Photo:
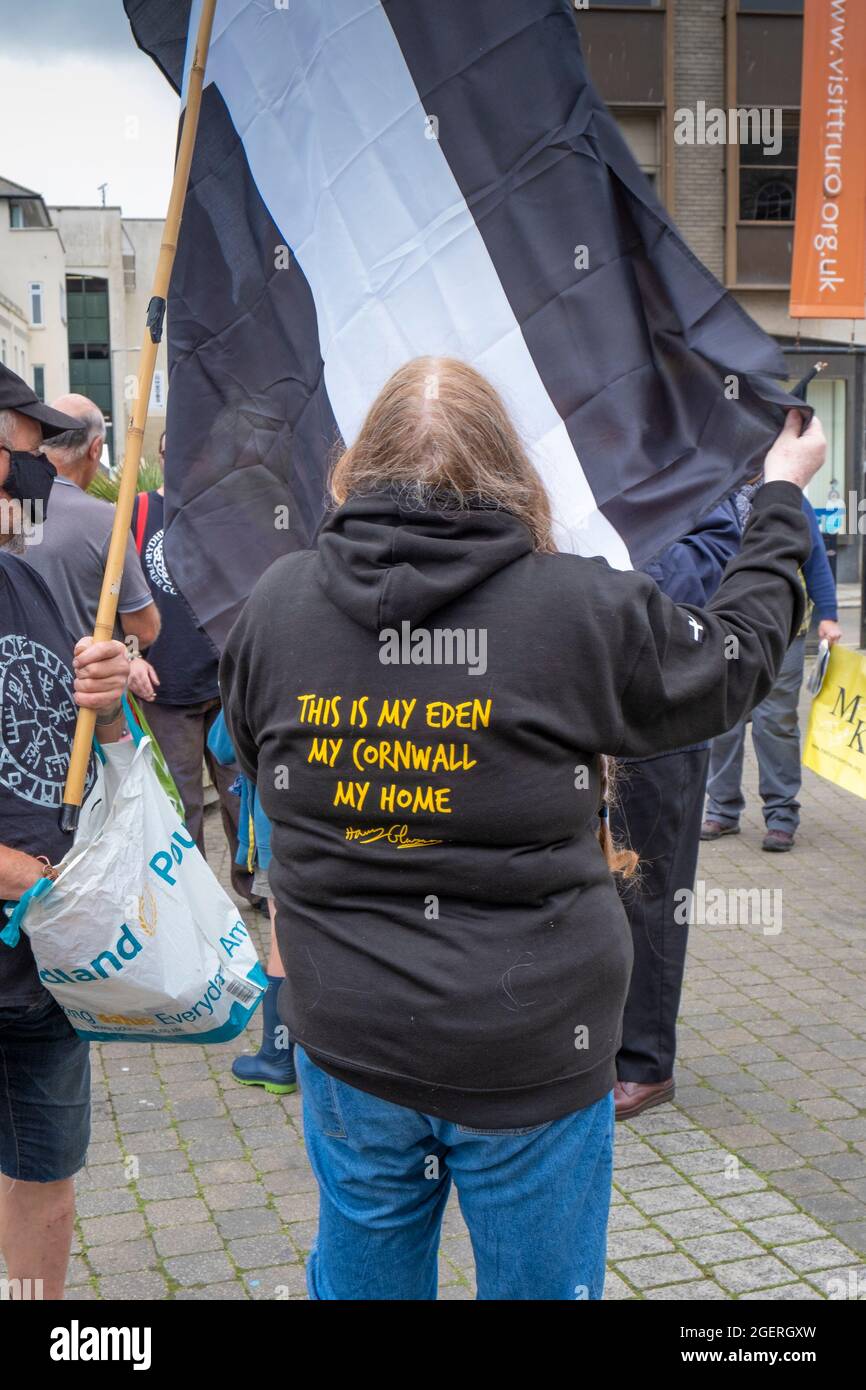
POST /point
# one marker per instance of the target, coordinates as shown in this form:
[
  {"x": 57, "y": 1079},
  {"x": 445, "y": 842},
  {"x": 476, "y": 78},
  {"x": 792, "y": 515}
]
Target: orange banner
[{"x": 828, "y": 278}]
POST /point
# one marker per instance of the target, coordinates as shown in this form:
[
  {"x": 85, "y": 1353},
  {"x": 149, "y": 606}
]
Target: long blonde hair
[
  {"x": 439, "y": 432},
  {"x": 620, "y": 859},
  {"x": 438, "y": 429}
]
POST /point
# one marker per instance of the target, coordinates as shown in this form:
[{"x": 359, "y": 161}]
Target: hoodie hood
[{"x": 384, "y": 563}]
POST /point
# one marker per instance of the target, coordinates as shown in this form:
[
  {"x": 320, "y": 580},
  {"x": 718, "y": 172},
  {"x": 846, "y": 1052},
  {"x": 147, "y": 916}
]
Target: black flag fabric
[{"x": 379, "y": 179}]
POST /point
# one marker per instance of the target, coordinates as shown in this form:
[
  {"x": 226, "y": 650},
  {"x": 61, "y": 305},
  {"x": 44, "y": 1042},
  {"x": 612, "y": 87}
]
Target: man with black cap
[{"x": 44, "y": 675}]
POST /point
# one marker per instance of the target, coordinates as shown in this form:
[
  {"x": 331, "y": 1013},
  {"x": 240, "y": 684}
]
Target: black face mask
[{"x": 30, "y": 478}]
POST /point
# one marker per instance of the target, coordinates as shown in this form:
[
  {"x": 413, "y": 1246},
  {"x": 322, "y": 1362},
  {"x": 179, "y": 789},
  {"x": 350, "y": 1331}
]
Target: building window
[
  {"x": 773, "y": 6},
  {"x": 828, "y": 396},
  {"x": 39, "y": 382},
  {"x": 62, "y": 302},
  {"x": 768, "y": 169},
  {"x": 3, "y": 351},
  {"x": 762, "y": 84},
  {"x": 89, "y": 340},
  {"x": 642, "y": 133},
  {"x": 28, "y": 212},
  {"x": 35, "y": 290},
  {"x": 771, "y": 200},
  {"x": 628, "y": 49}
]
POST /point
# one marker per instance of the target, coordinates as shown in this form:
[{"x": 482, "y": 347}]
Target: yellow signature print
[{"x": 395, "y": 834}]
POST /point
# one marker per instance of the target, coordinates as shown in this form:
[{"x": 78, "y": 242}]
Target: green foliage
[{"x": 149, "y": 479}]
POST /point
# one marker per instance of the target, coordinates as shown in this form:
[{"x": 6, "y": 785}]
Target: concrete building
[
  {"x": 110, "y": 261},
  {"x": 33, "y": 339},
  {"x": 734, "y": 204},
  {"x": 74, "y": 288}
]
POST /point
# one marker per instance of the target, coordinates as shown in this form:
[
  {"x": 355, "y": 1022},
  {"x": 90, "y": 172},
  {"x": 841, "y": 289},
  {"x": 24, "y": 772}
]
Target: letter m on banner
[{"x": 835, "y": 744}]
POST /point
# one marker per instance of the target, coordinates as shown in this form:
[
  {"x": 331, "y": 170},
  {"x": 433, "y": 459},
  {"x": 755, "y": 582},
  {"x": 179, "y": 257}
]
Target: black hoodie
[{"x": 452, "y": 936}]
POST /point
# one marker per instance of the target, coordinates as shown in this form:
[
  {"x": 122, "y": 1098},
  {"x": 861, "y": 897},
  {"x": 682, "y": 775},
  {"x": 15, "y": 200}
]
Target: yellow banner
[{"x": 835, "y": 745}]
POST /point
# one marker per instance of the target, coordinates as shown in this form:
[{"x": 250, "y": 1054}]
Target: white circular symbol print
[
  {"x": 156, "y": 566},
  {"x": 37, "y": 721}
]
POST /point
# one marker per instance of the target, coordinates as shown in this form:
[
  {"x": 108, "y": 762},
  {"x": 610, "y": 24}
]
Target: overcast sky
[{"x": 82, "y": 105}]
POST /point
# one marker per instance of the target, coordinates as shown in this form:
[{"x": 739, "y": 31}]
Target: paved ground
[{"x": 753, "y": 1185}]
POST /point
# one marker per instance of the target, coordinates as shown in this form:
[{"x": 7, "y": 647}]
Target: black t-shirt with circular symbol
[
  {"x": 37, "y": 723},
  {"x": 183, "y": 656}
]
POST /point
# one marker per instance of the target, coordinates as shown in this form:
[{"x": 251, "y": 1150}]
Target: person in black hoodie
[{"x": 425, "y": 703}]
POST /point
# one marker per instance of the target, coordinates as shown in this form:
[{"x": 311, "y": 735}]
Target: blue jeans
[
  {"x": 776, "y": 739},
  {"x": 535, "y": 1200}
]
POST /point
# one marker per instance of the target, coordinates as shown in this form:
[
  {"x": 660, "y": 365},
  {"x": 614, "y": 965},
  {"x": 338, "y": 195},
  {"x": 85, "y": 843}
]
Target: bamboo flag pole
[{"x": 107, "y": 612}]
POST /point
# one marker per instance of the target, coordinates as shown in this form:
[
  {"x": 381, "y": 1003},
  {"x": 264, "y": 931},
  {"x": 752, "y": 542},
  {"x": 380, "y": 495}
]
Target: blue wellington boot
[{"x": 272, "y": 1067}]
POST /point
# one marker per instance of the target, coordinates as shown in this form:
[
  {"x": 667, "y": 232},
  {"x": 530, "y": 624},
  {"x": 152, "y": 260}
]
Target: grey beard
[{"x": 14, "y": 544}]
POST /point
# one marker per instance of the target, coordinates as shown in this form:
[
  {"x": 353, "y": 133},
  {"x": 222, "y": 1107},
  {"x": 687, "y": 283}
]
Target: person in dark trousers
[
  {"x": 426, "y": 703},
  {"x": 658, "y": 812},
  {"x": 179, "y": 682},
  {"x": 775, "y": 721}
]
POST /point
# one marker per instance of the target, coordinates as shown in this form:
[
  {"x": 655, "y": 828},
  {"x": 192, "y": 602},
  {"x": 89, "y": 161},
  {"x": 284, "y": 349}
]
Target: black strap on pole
[{"x": 156, "y": 318}]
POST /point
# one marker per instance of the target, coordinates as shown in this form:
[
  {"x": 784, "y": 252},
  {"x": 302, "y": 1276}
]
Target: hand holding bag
[{"x": 136, "y": 938}]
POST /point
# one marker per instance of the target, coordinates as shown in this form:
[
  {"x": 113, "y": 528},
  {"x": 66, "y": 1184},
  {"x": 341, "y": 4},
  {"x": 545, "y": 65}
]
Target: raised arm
[{"x": 697, "y": 671}]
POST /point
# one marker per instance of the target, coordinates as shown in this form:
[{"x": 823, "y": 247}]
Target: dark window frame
[
  {"x": 86, "y": 349},
  {"x": 782, "y": 168},
  {"x": 733, "y": 220}
]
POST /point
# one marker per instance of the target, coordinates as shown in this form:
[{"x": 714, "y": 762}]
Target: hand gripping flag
[{"x": 378, "y": 179}]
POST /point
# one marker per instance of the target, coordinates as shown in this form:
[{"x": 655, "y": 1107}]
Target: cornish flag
[{"x": 379, "y": 179}]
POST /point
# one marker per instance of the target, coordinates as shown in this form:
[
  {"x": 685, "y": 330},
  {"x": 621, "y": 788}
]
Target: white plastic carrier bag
[{"x": 136, "y": 938}]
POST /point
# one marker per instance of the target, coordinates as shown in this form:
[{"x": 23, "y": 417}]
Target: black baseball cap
[{"x": 15, "y": 394}]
